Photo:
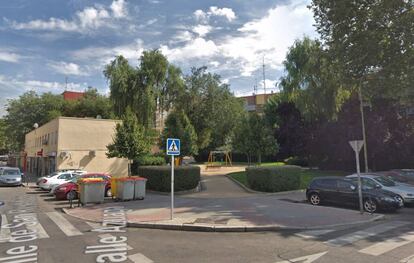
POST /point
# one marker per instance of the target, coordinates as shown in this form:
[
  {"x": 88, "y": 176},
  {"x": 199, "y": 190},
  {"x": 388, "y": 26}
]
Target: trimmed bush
[
  {"x": 296, "y": 161},
  {"x": 150, "y": 160},
  {"x": 159, "y": 177},
  {"x": 274, "y": 178}
]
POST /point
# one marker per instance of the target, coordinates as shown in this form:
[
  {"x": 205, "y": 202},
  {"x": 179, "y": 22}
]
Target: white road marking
[
  {"x": 409, "y": 259},
  {"x": 139, "y": 258},
  {"x": 93, "y": 224},
  {"x": 40, "y": 231},
  {"x": 63, "y": 224},
  {"x": 109, "y": 235},
  {"x": 4, "y": 232},
  {"x": 388, "y": 245},
  {"x": 313, "y": 233},
  {"x": 305, "y": 259},
  {"x": 369, "y": 232}
]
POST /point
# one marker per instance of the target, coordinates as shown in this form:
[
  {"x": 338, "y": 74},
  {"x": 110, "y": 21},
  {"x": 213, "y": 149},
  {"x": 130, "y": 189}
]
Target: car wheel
[
  {"x": 71, "y": 195},
  {"x": 400, "y": 199},
  {"x": 108, "y": 192},
  {"x": 370, "y": 206},
  {"x": 315, "y": 199}
]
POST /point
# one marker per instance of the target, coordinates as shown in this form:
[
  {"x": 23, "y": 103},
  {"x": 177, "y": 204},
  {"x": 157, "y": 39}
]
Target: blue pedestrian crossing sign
[{"x": 173, "y": 146}]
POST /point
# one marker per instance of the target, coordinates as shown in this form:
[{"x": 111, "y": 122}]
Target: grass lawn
[{"x": 306, "y": 176}]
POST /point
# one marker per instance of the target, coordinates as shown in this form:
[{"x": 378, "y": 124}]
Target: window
[
  {"x": 65, "y": 176},
  {"x": 342, "y": 185},
  {"x": 327, "y": 183},
  {"x": 385, "y": 181}
]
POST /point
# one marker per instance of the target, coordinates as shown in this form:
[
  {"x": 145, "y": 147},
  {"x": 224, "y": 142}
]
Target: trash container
[
  {"x": 140, "y": 184},
  {"x": 125, "y": 188},
  {"x": 113, "y": 186},
  {"x": 91, "y": 190}
]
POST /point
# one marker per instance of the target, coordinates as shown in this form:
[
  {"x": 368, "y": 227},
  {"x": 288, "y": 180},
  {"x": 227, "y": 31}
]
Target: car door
[
  {"x": 347, "y": 193},
  {"x": 327, "y": 190}
]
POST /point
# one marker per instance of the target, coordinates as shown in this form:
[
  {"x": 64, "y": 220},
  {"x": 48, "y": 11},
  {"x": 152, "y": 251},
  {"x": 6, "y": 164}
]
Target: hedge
[
  {"x": 159, "y": 177},
  {"x": 274, "y": 178}
]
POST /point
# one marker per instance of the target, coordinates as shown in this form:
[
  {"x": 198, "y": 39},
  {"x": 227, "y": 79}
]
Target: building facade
[
  {"x": 256, "y": 102},
  {"x": 72, "y": 143}
]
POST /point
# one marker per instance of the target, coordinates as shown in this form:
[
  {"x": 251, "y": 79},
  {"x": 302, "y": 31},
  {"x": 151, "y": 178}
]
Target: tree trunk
[{"x": 260, "y": 159}]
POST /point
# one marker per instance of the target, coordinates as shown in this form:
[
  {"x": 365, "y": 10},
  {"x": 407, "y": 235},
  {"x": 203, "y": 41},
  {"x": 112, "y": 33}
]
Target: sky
[{"x": 49, "y": 45}]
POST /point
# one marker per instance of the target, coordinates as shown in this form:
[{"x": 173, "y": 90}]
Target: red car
[{"x": 63, "y": 191}]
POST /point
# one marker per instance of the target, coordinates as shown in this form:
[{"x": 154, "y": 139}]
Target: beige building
[
  {"x": 256, "y": 102},
  {"x": 72, "y": 143}
]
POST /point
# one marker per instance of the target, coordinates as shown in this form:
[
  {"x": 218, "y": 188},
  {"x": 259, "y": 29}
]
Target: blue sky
[{"x": 44, "y": 41}]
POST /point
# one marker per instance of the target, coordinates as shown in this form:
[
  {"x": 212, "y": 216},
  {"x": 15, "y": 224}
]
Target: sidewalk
[{"x": 224, "y": 206}]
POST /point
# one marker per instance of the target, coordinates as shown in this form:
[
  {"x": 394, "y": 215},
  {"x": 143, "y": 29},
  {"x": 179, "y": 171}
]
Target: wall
[
  {"x": 44, "y": 137},
  {"x": 84, "y": 141}
]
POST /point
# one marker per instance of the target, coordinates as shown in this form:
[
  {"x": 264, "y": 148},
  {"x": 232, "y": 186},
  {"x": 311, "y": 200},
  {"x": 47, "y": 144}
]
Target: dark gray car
[{"x": 10, "y": 176}]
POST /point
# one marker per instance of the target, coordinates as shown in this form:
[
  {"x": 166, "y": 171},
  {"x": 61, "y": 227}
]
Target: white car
[
  {"x": 372, "y": 180},
  {"x": 46, "y": 183}
]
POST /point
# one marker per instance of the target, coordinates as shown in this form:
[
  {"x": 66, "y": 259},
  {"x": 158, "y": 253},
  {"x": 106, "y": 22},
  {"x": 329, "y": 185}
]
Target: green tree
[
  {"x": 4, "y": 142},
  {"x": 254, "y": 137},
  {"x": 25, "y": 111},
  {"x": 132, "y": 140},
  {"x": 178, "y": 125},
  {"x": 372, "y": 42},
  {"x": 92, "y": 104},
  {"x": 211, "y": 107},
  {"x": 312, "y": 81},
  {"x": 151, "y": 86}
]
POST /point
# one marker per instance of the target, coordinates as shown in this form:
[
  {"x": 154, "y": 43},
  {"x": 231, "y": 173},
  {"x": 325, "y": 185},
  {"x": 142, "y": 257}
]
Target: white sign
[
  {"x": 356, "y": 145},
  {"x": 173, "y": 146}
]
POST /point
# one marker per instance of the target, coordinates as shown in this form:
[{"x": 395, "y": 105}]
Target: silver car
[
  {"x": 372, "y": 180},
  {"x": 10, "y": 176}
]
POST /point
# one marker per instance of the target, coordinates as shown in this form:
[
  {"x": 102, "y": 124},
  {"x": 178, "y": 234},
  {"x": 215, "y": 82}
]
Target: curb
[
  {"x": 241, "y": 228},
  {"x": 247, "y": 189}
]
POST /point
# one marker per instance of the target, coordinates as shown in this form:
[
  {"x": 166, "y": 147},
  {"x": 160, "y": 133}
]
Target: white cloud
[
  {"x": 85, "y": 20},
  {"x": 99, "y": 56},
  {"x": 202, "y": 30},
  {"x": 9, "y": 57},
  {"x": 197, "y": 48},
  {"x": 270, "y": 36},
  {"x": 68, "y": 68},
  {"x": 226, "y": 12},
  {"x": 20, "y": 85},
  {"x": 119, "y": 9},
  {"x": 203, "y": 16}
]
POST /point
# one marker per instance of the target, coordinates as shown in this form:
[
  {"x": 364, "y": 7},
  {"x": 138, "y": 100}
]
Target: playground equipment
[{"x": 214, "y": 163}]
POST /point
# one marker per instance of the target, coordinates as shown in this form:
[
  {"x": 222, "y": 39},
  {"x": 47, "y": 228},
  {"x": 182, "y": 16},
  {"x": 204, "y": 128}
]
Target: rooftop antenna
[
  {"x": 255, "y": 86},
  {"x": 264, "y": 77}
]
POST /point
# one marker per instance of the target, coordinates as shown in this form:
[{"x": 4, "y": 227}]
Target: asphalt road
[{"x": 61, "y": 238}]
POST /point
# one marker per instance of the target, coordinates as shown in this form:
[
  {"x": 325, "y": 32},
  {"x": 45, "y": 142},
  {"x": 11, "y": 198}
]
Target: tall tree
[
  {"x": 312, "y": 82},
  {"x": 132, "y": 140},
  {"x": 177, "y": 125},
  {"x": 4, "y": 142},
  {"x": 373, "y": 43},
  {"x": 211, "y": 107},
  {"x": 150, "y": 87}
]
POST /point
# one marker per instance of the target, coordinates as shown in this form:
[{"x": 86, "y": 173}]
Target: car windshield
[
  {"x": 385, "y": 181},
  {"x": 11, "y": 172}
]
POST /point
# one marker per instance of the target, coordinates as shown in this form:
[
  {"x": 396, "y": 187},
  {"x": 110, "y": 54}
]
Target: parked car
[
  {"x": 343, "y": 191},
  {"x": 10, "y": 176},
  {"x": 45, "y": 183},
  {"x": 63, "y": 191},
  {"x": 402, "y": 175},
  {"x": 378, "y": 181}
]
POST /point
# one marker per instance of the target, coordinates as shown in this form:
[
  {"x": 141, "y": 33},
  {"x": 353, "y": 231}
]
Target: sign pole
[
  {"x": 361, "y": 209},
  {"x": 172, "y": 186},
  {"x": 356, "y": 146}
]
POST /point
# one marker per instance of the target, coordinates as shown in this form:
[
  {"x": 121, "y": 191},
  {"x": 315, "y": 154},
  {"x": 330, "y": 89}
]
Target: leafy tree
[
  {"x": 372, "y": 42},
  {"x": 254, "y": 137},
  {"x": 151, "y": 86},
  {"x": 211, "y": 107},
  {"x": 312, "y": 82},
  {"x": 25, "y": 111},
  {"x": 290, "y": 129},
  {"x": 132, "y": 140},
  {"x": 177, "y": 125},
  {"x": 92, "y": 104},
  {"x": 4, "y": 142}
]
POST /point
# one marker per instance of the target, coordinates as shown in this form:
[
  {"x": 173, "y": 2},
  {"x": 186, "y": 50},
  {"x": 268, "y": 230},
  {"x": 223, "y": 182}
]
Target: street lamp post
[{"x": 364, "y": 136}]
